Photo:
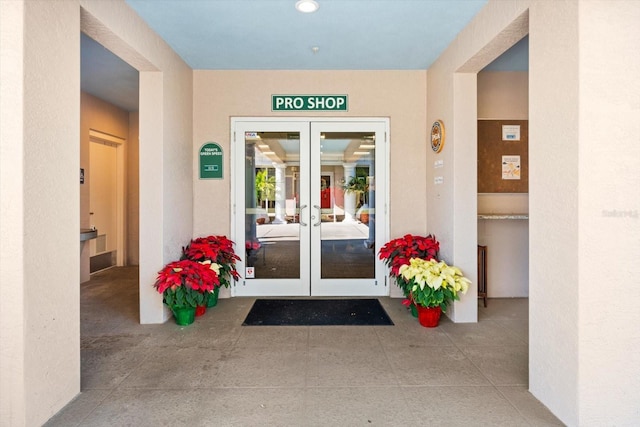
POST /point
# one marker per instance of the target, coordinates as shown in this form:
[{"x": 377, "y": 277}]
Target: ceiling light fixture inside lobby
[{"x": 307, "y": 6}]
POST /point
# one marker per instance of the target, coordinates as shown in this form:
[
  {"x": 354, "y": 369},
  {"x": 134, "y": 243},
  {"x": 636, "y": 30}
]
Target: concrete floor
[{"x": 219, "y": 373}]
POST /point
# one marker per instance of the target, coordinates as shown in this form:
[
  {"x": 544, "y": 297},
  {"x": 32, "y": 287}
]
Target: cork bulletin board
[{"x": 493, "y": 149}]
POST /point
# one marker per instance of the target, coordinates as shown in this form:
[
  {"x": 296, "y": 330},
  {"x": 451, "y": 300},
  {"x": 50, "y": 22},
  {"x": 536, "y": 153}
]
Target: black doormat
[{"x": 314, "y": 312}]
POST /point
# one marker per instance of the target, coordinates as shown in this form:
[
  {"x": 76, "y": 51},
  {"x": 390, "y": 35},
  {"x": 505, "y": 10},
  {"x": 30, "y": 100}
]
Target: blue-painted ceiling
[
  {"x": 106, "y": 76},
  {"x": 515, "y": 58},
  {"x": 272, "y": 35}
]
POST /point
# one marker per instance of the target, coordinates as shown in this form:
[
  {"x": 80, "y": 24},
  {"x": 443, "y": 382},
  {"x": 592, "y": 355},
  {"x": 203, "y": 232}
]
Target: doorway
[
  {"x": 310, "y": 206},
  {"x": 106, "y": 195}
]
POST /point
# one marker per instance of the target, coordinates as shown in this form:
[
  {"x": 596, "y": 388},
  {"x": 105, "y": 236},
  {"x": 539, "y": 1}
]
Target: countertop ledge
[{"x": 503, "y": 216}]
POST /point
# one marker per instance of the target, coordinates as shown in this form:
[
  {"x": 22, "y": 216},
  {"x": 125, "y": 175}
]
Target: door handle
[
  {"x": 319, "y": 216},
  {"x": 302, "y": 223}
]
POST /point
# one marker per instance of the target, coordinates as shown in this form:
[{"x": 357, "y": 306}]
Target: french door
[{"x": 309, "y": 200}]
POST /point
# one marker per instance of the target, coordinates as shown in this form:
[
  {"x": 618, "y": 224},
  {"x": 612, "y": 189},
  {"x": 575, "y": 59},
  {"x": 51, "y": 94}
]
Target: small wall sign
[
  {"x": 511, "y": 132},
  {"x": 249, "y": 273},
  {"x": 211, "y": 160},
  {"x": 510, "y": 167},
  {"x": 309, "y": 103}
]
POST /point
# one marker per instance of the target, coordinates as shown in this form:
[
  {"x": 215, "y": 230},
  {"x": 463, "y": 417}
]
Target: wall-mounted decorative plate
[{"x": 437, "y": 136}]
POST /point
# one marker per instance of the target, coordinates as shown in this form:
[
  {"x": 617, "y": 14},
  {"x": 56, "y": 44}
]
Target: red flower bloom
[
  {"x": 190, "y": 274},
  {"x": 398, "y": 252},
  {"x": 217, "y": 249},
  {"x": 252, "y": 246}
]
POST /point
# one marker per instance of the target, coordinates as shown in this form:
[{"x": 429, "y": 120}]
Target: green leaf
[{"x": 191, "y": 300}]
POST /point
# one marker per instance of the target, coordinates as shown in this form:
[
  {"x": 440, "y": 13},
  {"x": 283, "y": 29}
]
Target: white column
[
  {"x": 371, "y": 179},
  {"x": 280, "y": 194},
  {"x": 349, "y": 197}
]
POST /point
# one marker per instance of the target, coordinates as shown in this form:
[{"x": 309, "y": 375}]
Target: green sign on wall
[
  {"x": 309, "y": 103},
  {"x": 211, "y": 159}
]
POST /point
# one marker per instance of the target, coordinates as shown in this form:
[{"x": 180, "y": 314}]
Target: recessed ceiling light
[
  {"x": 367, "y": 146},
  {"x": 307, "y": 6},
  {"x": 361, "y": 153}
]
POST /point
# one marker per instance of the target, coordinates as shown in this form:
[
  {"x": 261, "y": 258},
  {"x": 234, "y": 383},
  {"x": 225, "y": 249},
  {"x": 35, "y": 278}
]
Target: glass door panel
[
  {"x": 347, "y": 238},
  {"x": 272, "y": 196},
  {"x": 345, "y": 169}
]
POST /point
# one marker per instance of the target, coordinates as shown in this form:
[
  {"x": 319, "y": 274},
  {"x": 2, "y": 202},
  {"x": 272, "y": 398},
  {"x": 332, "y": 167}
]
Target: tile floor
[{"x": 218, "y": 373}]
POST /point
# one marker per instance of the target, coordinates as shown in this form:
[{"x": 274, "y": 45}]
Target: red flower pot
[
  {"x": 429, "y": 316},
  {"x": 200, "y": 310}
]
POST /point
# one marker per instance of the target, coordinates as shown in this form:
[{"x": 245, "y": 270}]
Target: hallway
[{"x": 217, "y": 372}]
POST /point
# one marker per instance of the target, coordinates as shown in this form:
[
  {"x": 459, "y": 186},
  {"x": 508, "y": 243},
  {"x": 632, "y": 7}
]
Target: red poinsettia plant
[
  {"x": 185, "y": 283},
  {"x": 252, "y": 245},
  {"x": 218, "y": 253},
  {"x": 398, "y": 252}
]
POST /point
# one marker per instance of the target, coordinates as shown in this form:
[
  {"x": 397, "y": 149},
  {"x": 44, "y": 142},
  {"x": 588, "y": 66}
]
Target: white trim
[{"x": 105, "y": 137}]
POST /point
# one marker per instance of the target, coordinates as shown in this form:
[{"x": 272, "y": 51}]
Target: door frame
[
  {"x": 118, "y": 143},
  {"x": 237, "y": 167}
]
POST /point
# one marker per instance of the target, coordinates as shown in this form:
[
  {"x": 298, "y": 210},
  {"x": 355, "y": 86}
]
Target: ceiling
[{"x": 273, "y": 35}]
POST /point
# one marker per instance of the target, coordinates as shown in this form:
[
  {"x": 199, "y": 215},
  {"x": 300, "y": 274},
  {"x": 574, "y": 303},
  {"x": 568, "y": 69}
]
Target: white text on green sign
[
  {"x": 211, "y": 159},
  {"x": 309, "y": 103}
]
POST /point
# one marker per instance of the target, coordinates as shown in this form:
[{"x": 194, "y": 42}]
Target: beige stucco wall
[
  {"x": 12, "y": 322},
  {"x": 399, "y": 95},
  {"x": 574, "y": 95},
  {"x": 609, "y": 207},
  {"x": 503, "y": 95},
  {"x": 39, "y": 320},
  {"x": 553, "y": 206}
]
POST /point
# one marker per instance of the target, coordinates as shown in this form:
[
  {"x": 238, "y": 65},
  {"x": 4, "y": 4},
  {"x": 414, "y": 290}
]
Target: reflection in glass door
[
  {"x": 307, "y": 197},
  {"x": 346, "y": 165},
  {"x": 274, "y": 206}
]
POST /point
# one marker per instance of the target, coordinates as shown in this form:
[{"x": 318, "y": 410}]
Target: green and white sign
[
  {"x": 309, "y": 103},
  {"x": 211, "y": 160}
]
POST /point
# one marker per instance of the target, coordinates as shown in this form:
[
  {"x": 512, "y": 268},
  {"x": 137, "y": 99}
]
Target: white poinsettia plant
[{"x": 433, "y": 283}]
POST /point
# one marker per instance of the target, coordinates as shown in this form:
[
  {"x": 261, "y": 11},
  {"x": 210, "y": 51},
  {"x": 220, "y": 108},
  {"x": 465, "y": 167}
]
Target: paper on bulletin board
[
  {"x": 511, "y": 132},
  {"x": 510, "y": 167}
]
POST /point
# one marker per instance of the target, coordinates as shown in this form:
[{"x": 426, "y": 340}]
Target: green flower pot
[
  {"x": 184, "y": 316},
  {"x": 212, "y": 298}
]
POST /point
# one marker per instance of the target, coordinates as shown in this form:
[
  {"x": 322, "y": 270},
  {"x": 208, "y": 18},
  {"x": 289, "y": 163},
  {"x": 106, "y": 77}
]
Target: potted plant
[
  {"x": 251, "y": 249},
  {"x": 433, "y": 285},
  {"x": 357, "y": 185},
  {"x": 183, "y": 285},
  {"x": 218, "y": 254},
  {"x": 265, "y": 187},
  {"x": 399, "y": 251}
]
